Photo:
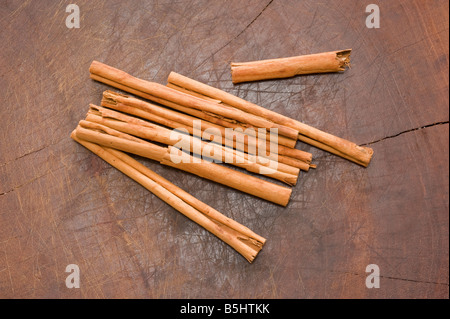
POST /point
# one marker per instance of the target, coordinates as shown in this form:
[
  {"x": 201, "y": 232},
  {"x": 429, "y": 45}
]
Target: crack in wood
[
  {"x": 4, "y": 193},
  {"x": 248, "y": 26},
  {"x": 417, "y": 281},
  {"x": 381, "y": 276},
  {"x": 31, "y": 152},
  {"x": 235, "y": 37},
  {"x": 404, "y": 132}
]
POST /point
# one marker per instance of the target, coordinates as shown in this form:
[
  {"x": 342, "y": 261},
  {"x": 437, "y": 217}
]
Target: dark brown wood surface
[{"x": 60, "y": 204}]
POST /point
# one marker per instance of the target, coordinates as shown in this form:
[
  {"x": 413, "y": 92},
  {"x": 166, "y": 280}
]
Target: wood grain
[{"x": 341, "y": 217}]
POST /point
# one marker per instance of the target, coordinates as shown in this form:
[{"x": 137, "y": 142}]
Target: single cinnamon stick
[
  {"x": 239, "y": 237},
  {"x": 101, "y": 72},
  {"x": 104, "y": 136},
  {"x": 308, "y": 134},
  {"x": 155, "y": 133},
  {"x": 327, "y": 62},
  {"x": 173, "y": 119}
]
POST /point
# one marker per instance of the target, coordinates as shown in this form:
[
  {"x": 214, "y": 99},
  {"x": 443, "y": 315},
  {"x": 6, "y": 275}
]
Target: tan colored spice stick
[
  {"x": 220, "y": 153},
  {"x": 116, "y": 120},
  {"x": 239, "y": 237},
  {"x": 326, "y": 141},
  {"x": 171, "y": 119},
  {"x": 220, "y": 174},
  {"x": 191, "y": 200},
  {"x": 327, "y": 62},
  {"x": 282, "y": 140},
  {"x": 90, "y": 132},
  {"x": 329, "y": 149},
  {"x": 217, "y": 173},
  {"x": 284, "y": 148},
  {"x": 303, "y": 165},
  {"x": 102, "y": 71},
  {"x": 112, "y": 99}
]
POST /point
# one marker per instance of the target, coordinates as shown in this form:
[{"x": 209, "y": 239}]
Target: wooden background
[{"x": 60, "y": 204}]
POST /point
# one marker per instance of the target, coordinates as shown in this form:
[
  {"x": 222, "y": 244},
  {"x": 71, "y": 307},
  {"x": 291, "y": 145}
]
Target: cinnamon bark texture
[
  {"x": 327, "y": 62},
  {"x": 177, "y": 120},
  {"x": 143, "y": 129},
  {"x": 307, "y": 134},
  {"x": 239, "y": 237},
  {"x": 108, "y": 137},
  {"x": 122, "y": 80},
  {"x": 159, "y": 94}
]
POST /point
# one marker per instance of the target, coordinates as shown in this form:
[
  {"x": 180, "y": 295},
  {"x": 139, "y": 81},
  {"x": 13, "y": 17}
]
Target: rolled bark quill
[
  {"x": 239, "y": 237},
  {"x": 145, "y": 130},
  {"x": 108, "y": 137},
  {"x": 308, "y": 134},
  {"x": 219, "y": 120},
  {"x": 117, "y": 78},
  {"x": 176, "y": 120},
  {"x": 335, "y": 61}
]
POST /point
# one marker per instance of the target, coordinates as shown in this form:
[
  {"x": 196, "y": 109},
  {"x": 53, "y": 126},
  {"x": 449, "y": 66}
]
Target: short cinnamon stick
[
  {"x": 327, "y": 62},
  {"x": 239, "y": 237}
]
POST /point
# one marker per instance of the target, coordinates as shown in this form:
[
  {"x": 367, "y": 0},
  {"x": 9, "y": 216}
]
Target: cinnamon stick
[
  {"x": 283, "y": 141},
  {"x": 173, "y": 119},
  {"x": 104, "y": 136},
  {"x": 111, "y": 115},
  {"x": 239, "y": 237},
  {"x": 327, "y": 62},
  {"x": 219, "y": 120},
  {"x": 308, "y": 134},
  {"x": 120, "y": 79},
  {"x": 155, "y": 133}
]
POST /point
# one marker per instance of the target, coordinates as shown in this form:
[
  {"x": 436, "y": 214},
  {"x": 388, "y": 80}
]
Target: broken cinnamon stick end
[
  {"x": 255, "y": 245},
  {"x": 252, "y": 257},
  {"x": 344, "y": 58},
  {"x": 291, "y": 180}
]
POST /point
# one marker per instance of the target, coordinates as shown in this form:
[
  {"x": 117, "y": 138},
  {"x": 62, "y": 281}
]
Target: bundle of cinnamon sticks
[
  {"x": 206, "y": 102},
  {"x": 242, "y": 239},
  {"x": 194, "y": 127}
]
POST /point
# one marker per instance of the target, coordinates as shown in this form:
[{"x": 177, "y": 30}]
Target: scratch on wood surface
[{"x": 9, "y": 272}]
